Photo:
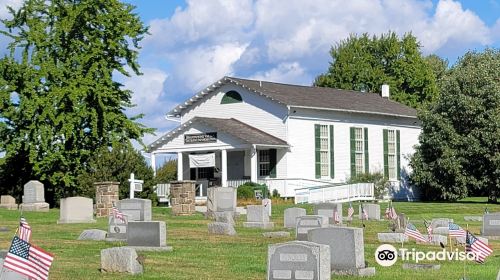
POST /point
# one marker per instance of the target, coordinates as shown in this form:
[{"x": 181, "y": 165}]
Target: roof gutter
[{"x": 354, "y": 111}]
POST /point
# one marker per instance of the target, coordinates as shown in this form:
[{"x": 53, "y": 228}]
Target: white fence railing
[
  {"x": 163, "y": 192},
  {"x": 286, "y": 187},
  {"x": 339, "y": 193}
]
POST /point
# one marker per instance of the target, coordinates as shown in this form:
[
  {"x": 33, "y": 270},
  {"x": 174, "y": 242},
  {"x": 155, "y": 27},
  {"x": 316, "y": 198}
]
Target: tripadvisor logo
[{"x": 387, "y": 255}]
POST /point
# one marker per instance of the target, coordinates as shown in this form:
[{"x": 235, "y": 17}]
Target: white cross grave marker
[{"x": 135, "y": 185}]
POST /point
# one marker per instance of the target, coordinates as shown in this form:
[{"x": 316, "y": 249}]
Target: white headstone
[{"x": 76, "y": 210}]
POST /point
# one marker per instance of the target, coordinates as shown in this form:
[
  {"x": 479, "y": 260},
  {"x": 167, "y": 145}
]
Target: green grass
[{"x": 197, "y": 255}]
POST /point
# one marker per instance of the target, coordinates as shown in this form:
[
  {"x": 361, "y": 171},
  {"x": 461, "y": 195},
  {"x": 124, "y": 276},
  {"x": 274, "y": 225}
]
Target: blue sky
[{"x": 193, "y": 43}]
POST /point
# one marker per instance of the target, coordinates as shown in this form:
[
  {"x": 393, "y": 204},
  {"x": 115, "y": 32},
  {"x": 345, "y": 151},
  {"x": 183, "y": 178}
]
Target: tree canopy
[
  {"x": 459, "y": 150},
  {"x": 58, "y": 100},
  {"x": 366, "y": 63}
]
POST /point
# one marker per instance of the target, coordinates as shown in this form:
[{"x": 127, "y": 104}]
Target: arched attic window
[{"x": 231, "y": 97}]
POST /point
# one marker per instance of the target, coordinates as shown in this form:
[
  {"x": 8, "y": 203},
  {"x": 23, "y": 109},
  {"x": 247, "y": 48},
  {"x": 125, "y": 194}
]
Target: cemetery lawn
[{"x": 198, "y": 255}]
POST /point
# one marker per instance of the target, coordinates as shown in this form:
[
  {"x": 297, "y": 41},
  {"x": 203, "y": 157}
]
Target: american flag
[
  {"x": 28, "y": 260},
  {"x": 479, "y": 248},
  {"x": 412, "y": 231},
  {"x": 455, "y": 230},
  {"x": 350, "y": 211},
  {"x": 24, "y": 230},
  {"x": 392, "y": 213},
  {"x": 336, "y": 217},
  {"x": 429, "y": 230},
  {"x": 118, "y": 214}
]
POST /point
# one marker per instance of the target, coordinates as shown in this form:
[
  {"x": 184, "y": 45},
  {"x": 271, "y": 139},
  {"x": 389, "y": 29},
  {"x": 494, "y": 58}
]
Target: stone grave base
[
  {"x": 114, "y": 239},
  {"x": 38, "y": 207},
  {"x": 93, "y": 234},
  {"x": 436, "y": 240},
  {"x": 120, "y": 259},
  {"x": 367, "y": 271},
  {"x": 151, "y": 248},
  {"x": 268, "y": 225},
  {"x": 473, "y": 218},
  {"x": 391, "y": 237},
  {"x": 488, "y": 238},
  {"x": 9, "y": 206},
  {"x": 76, "y": 221},
  {"x": 276, "y": 234},
  {"x": 441, "y": 230}
]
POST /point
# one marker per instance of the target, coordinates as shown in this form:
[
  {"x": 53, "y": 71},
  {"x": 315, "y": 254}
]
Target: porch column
[
  {"x": 153, "y": 163},
  {"x": 253, "y": 164},
  {"x": 223, "y": 167},
  {"x": 180, "y": 172}
]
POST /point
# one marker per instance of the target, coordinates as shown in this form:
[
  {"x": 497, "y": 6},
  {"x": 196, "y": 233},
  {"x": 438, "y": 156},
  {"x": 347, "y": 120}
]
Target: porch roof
[{"x": 246, "y": 133}]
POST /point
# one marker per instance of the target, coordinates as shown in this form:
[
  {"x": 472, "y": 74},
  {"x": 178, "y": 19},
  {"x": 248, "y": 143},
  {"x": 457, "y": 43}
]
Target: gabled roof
[
  {"x": 246, "y": 133},
  {"x": 311, "y": 97}
]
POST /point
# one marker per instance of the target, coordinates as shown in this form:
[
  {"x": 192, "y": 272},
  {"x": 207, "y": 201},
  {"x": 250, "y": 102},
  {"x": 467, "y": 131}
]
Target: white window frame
[
  {"x": 392, "y": 153},
  {"x": 324, "y": 151},
  {"x": 359, "y": 149},
  {"x": 264, "y": 163}
]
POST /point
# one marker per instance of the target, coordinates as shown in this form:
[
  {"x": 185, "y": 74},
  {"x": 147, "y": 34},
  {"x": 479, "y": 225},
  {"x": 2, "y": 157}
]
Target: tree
[
  {"x": 116, "y": 164},
  {"x": 365, "y": 64},
  {"x": 58, "y": 100},
  {"x": 459, "y": 150},
  {"x": 167, "y": 173},
  {"x": 438, "y": 65}
]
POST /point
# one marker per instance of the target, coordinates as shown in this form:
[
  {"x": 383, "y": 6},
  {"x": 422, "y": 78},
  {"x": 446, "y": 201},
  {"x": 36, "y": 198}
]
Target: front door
[{"x": 235, "y": 165}]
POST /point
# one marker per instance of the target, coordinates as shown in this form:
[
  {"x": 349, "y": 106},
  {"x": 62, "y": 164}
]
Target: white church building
[{"x": 289, "y": 136}]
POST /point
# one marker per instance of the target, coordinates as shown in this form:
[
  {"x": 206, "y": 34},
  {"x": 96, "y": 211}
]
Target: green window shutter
[
  {"x": 317, "y": 149},
  {"x": 398, "y": 153},
  {"x": 332, "y": 158},
  {"x": 353, "y": 153},
  {"x": 272, "y": 163},
  {"x": 367, "y": 161},
  {"x": 386, "y": 154}
]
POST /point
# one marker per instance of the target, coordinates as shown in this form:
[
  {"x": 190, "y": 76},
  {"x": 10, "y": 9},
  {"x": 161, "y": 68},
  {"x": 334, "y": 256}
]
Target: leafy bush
[
  {"x": 247, "y": 190},
  {"x": 276, "y": 194},
  {"x": 381, "y": 183}
]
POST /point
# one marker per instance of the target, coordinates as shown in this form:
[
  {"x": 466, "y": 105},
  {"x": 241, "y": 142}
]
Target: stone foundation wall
[
  {"x": 106, "y": 193},
  {"x": 182, "y": 197}
]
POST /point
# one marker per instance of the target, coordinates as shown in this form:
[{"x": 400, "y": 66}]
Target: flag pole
[{"x": 465, "y": 249}]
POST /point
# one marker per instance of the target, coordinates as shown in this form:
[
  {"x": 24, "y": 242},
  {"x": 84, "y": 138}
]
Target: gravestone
[
  {"x": 436, "y": 240},
  {"x": 150, "y": 235},
  {"x": 34, "y": 197},
  {"x": 106, "y": 196},
  {"x": 392, "y": 237},
  {"x": 92, "y": 234},
  {"x": 267, "y": 203},
  {"x": 221, "y": 199},
  {"x": 373, "y": 211},
  {"x": 257, "y": 217},
  {"x": 120, "y": 259},
  {"x": 8, "y": 274},
  {"x": 8, "y": 202},
  {"x": 305, "y": 223},
  {"x": 440, "y": 222},
  {"x": 221, "y": 228},
  {"x": 491, "y": 224},
  {"x": 76, "y": 210},
  {"x": 347, "y": 251},
  {"x": 224, "y": 217},
  {"x": 290, "y": 216},
  {"x": 473, "y": 218},
  {"x": 136, "y": 209},
  {"x": 402, "y": 221},
  {"x": 498, "y": 276},
  {"x": 441, "y": 230},
  {"x": 298, "y": 260},
  {"x": 117, "y": 229},
  {"x": 328, "y": 210}
]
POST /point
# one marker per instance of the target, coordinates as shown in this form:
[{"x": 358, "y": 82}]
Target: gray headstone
[
  {"x": 373, "y": 211},
  {"x": 224, "y": 217},
  {"x": 257, "y": 217},
  {"x": 92, "y": 234},
  {"x": 402, "y": 220},
  {"x": 33, "y": 192},
  {"x": 305, "y": 223},
  {"x": 328, "y": 210},
  {"x": 221, "y": 228},
  {"x": 117, "y": 229},
  {"x": 441, "y": 230},
  {"x": 7, "y": 274},
  {"x": 436, "y": 240},
  {"x": 120, "y": 259},
  {"x": 267, "y": 203},
  {"x": 221, "y": 199},
  {"x": 298, "y": 260},
  {"x": 76, "y": 210},
  {"x": 420, "y": 266},
  {"x": 440, "y": 222},
  {"x": 8, "y": 202},
  {"x": 473, "y": 218},
  {"x": 347, "y": 250},
  {"x": 392, "y": 237},
  {"x": 136, "y": 209},
  {"x": 147, "y": 234},
  {"x": 276, "y": 234},
  {"x": 290, "y": 216},
  {"x": 491, "y": 224}
]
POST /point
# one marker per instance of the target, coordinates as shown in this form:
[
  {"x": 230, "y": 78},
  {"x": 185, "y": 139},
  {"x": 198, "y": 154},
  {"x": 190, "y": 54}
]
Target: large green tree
[
  {"x": 365, "y": 63},
  {"x": 459, "y": 150},
  {"x": 58, "y": 100}
]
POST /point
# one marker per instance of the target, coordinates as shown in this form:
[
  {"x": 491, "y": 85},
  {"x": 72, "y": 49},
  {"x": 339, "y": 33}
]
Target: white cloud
[
  {"x": 284, "y": 73},
  {"x": 4, "y": 12}
]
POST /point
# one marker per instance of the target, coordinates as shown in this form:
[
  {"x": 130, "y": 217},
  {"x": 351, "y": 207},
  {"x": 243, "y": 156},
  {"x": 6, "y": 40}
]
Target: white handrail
[{"x": 342, "y": 193}]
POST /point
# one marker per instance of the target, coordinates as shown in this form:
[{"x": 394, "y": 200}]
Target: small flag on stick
[
  {"x": 29, "y": 260},
  {"x": 455, "y": 230},
  {"x": 24, "y": 230},
  {"x": 350, "y": 212},
  {"x": 118, "y": 214},
  {"x": 412, "y": 231},
  {"x": 479, "y": 248}
]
